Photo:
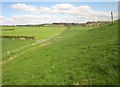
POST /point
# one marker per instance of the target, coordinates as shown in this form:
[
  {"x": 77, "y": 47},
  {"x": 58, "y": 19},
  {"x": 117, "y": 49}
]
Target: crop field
[{"x": 73, "y": 55}]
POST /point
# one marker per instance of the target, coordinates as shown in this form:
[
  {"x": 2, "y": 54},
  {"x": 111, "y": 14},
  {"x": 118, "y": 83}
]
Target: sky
[{"x": 21, "y": 13}]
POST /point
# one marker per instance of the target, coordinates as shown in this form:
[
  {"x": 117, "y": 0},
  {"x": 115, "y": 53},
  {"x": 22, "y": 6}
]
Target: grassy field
[
  {"x": 78, "y": 56},
  {"x": 37, "y": 32},
  {"x": 11, "y": 46}
]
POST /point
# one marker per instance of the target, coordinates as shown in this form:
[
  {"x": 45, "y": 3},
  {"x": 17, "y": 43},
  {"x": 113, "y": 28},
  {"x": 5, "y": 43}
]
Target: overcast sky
[{"x": 49, "y": 12}]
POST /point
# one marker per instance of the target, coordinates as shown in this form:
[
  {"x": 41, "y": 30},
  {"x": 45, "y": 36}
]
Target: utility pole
[{"x": 112, "y": 17}]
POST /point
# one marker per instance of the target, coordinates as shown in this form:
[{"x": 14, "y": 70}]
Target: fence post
[{"x": 112, "y": 17}]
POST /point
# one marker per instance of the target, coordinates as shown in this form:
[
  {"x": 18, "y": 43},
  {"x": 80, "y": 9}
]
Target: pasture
[
  {"x": 37, "y": 32},
  {"x": 12, "y": 46},
  {"x": 77, "y": 56}
]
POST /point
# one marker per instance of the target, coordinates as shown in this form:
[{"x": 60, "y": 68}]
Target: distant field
[
  {"x": 78, "y": 56},
  {"x": 37, "y": 32}
]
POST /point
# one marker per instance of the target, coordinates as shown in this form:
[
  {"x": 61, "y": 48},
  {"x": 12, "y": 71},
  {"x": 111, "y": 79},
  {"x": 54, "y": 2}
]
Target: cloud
[
  {"x": 63, "y": 6},
  {"x": 24, "y": 7},
  {"x": 49, "y": 18},
  {"x": 56, "y": 13},
  {"x": 65, "y": 9},
  {"x": 2, "y": 19},
  {"x": 37, "y": 19}
]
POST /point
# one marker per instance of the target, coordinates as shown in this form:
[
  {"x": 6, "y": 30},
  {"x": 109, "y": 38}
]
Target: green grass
[
  {"x": 37, "y": 32},
  {"x": 79, "y": 56},
  {"x": 11, "y": 46}
]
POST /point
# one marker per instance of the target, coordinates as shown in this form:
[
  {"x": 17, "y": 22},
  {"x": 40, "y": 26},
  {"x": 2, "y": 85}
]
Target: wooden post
[{"x": 112, "y": 17}]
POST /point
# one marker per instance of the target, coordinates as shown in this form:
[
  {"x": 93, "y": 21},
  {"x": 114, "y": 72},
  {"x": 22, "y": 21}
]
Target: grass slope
[{"x": 78, "y": 56}]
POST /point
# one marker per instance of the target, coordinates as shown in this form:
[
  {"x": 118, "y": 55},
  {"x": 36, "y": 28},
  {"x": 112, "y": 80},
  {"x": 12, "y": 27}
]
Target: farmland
[
  {"x": 75, "y": 56},
  {"x": 11, "y": 46},
  {"x": 37, "y": 32}
]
